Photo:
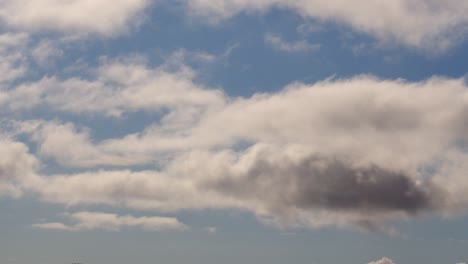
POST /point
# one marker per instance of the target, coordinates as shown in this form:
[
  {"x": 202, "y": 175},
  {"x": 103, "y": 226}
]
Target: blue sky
[{"x": 196, "y": 131}]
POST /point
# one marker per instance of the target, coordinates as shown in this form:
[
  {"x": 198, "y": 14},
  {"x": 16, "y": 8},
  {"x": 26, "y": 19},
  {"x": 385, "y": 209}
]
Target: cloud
[
  {"x": 372, "y": 120},
  {"x": 299, "y": 46},
  {"x": 211, "y": 230},
  {"x": 9, "y": 40},
  {"x": 12, "y": 58},
  {"x": 309, "y": 28},
  {"x": 102, "y": 17},
  {"x": 86, "y": 221},
  {"x": 282, "y": 186},
  {"x": 22, "y": 53},
  {"x": 54, "y": 138},
  {"x": 117, "y": 87},
  {"x": 16, "y": 166},
  {"x": 382, "y": 261},
  {"x": 353, "y": 152},
  {"x": 46, "y": 52},
  {"x": 54, "y": 226},
  {"x": 316, "y": 182},
  {"x": 425, "y": 24}
]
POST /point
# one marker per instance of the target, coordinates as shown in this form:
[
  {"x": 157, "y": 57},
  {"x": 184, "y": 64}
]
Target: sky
[{"x": 233, "y": 131}]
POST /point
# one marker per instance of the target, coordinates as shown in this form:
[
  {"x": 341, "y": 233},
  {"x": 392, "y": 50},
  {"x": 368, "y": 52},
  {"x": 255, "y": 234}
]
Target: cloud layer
[
  {"x": 424, "y": 24},
  {"x": 351, "y": 153},
  {"x": 421, "y": 24},
  {"x": 358, "y": 152}
]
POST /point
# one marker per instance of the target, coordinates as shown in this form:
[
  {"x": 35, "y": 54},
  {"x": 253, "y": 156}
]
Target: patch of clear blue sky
[{"x": 252, "y": 67}]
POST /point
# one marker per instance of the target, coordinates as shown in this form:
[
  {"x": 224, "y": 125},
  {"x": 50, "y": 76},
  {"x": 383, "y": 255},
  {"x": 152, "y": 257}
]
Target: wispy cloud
[
  {"x": 297, "y": 46},
  {"x": 87, "y": 221}
]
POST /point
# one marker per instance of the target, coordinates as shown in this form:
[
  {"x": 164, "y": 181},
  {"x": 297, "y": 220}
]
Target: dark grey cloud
[{"x": 332, "y": 184}]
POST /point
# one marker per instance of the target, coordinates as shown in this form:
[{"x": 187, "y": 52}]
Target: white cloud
[
  {"x": 263, "y": 154},
  {"x": 104, "y": 17},
  {"x": 86, "y": 221},
  {"x": 8, "y": 40},
  {"x": 16, "y": 166},
  {"x": 118, "y": 86},
  {"x": 54, "y": 138},
  {"x": 289, "y": 157},
  {"x": 426, "y": 24},
  {"x": 434, "y": 25},
  {"x": 277, "y": 186},
  {"x": 54, "y": 226},
  {"x": 20, "y": 53},
  {"x": 361, "y": 115},
  {"x": 382, "y": 261},
  {"x": 298, "y": 46},
  {"x": 351, "y": 132}
]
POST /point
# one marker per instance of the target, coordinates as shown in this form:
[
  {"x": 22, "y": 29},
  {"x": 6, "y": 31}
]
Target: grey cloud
[
  {"x": 288, "y": 188},
  {"x": 322, "y": 183}
]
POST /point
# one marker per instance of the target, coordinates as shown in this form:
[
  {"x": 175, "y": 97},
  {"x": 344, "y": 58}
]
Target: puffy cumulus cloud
[
  {"x": 286, "y": 187},
  {"x": 54, "y": 138},
  {"x": 148, "y": 190},
  {"x": 382, "y": 261},
  {"x": 16, "y": 166},
  {"x": 349, "y": 153},
  {"x": 428, "y": 24},
  {"x": 371, "y": 120},
  {"x": 104, "y": 17},
  {"x": 86, "y": 221},
  {"x": 117, "y": 86}
]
